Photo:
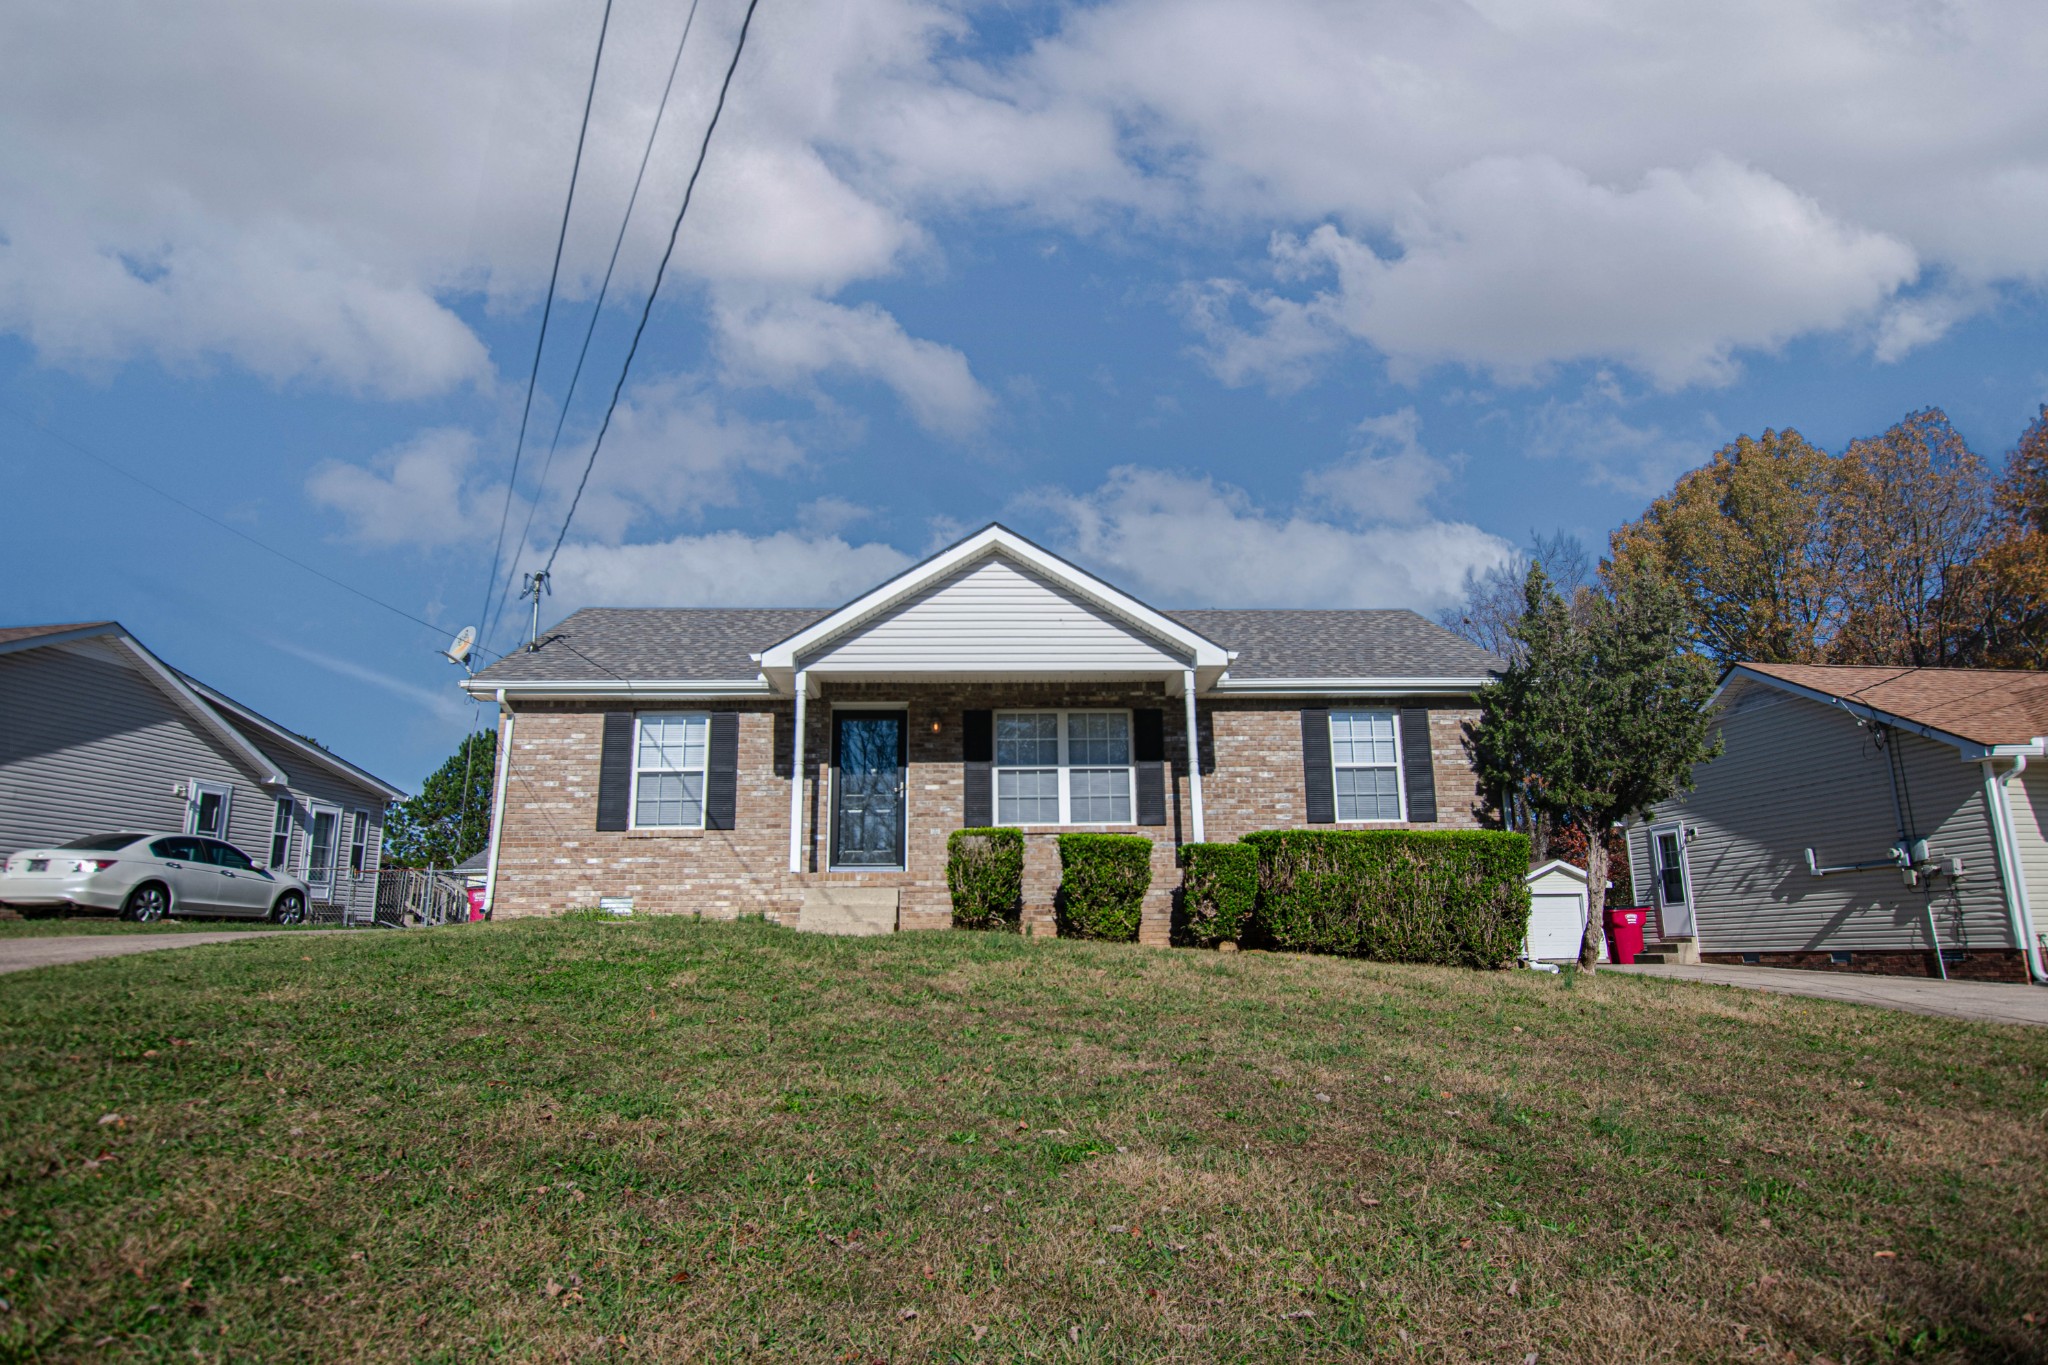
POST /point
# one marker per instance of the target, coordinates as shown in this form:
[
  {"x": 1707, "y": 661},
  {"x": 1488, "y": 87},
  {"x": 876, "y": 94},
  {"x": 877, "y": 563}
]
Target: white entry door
[
  {"x": 323, "y": 830},
  {"x": 1674, "y": 878},
  {"x": 206, "y": 810}
]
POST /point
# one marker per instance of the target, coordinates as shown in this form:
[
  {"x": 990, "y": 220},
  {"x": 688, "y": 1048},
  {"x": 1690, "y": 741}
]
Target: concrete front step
[{"x": 849, "y": 910}]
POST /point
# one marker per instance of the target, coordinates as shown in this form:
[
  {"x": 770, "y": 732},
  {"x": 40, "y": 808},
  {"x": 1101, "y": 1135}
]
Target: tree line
[{"x": 1904, "y": 549}]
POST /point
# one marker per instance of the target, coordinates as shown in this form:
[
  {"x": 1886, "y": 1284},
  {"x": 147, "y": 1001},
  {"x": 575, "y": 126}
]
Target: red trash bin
[{"x": 1625, "y": 934}]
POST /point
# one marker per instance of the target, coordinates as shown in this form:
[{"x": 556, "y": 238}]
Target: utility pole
[{"x": 536, "y": 584}]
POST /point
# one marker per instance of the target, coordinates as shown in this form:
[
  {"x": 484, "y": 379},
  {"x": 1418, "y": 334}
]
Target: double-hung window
[
  {"x": 1063, "y": 767},
  {"x": 1365, "y": 761},
  {"x": 281, "y": 832},
  {"x": 358, "y": 843},
  {"x": 670, "y": 754}
]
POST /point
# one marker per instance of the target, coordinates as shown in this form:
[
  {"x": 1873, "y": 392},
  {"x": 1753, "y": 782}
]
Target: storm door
[{"x": 867, "y": 788}]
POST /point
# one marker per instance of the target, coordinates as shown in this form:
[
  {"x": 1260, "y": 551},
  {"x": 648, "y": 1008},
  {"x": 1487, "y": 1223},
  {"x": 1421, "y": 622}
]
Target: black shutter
[
  {"x": 1148, "y": 747},
  {"x": 722, "y": 779},
  {"x": 1315, "y": 766},
  {"x": 977, "y": 780},
  {"x": 1418, "y": 772},
  {"x": 615, "y": 772}
]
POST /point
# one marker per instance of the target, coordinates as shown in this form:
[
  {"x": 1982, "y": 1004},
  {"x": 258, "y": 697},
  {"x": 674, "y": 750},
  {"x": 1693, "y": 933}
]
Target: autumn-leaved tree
[
  {"x": 1754, "y": 543},
  {"x": 1602, "y": 716},
  {"x": 2014, "y": 569},
  {"x": 1915, "y": 506},
  {"x": 450, "y": 819}
]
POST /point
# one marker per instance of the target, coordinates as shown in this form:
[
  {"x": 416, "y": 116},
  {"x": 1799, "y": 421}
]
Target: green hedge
[
  {"x": 1219, "y": 887},
  {"x": 985, "y": 873},
  {"x": 1452, "y": 897},
  {"x": 1103, "y": 880}
]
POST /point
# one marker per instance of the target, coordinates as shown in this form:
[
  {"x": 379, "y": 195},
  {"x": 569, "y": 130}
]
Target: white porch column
[
  {"x": 796, "y": 778},
  {"x": 1187, "y": 690}
]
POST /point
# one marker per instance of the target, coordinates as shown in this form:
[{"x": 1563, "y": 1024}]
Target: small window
[
  {"x": 1063, "y": 768},
  {"x": 207, "y": 815},
  {"x": 357, "y": 843},
  {"x": 1840, "y": 959},
  {"x": 1753, "y": 959},
  {"x": 669, "y": 758},
  {"x": 281, "y": 832},
  {"x": 1365, "y": 759}
]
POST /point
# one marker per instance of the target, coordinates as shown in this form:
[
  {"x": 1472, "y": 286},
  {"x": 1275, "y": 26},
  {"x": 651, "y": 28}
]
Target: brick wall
[{"x": 552, "y": 857}]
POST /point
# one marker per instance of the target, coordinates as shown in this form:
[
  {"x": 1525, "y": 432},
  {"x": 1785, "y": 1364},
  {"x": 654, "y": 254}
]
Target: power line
[
  {"x": 264, "y": 546},
  {"x": 596, "y": 312},
  {"x": 647, "y": 311},
  {"x": 547, "y": 309}
]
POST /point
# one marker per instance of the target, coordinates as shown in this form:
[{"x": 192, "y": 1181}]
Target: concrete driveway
[
  {"x": 24, "y": 954},
  {"x": 1983, "y": 1001}
]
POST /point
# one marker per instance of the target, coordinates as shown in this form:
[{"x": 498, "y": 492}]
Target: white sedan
[{"x": 148, "y": 876}]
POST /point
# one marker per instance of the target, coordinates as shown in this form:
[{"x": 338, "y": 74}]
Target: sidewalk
[
  {"x": 25, "y": 954},
  {"x": 1986, "y": 1002}
]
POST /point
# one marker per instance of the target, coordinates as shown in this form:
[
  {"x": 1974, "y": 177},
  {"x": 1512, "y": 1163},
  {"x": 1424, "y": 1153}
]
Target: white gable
[{"x": 995, "y": 615}]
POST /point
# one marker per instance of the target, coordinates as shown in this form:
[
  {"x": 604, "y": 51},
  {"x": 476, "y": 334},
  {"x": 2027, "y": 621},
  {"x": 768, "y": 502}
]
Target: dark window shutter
[
  {"x": 1315, "y": 766},
  {"x": 1418, "y": 772},
  {"x": 615, "y": 772},
  {"x": 1148, "y": 747},
  {"x": 977, "y": 778},
  {"x": 722, "y": 777}
]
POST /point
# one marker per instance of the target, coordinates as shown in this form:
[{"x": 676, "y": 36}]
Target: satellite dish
[{"x": 458, "y": 653}]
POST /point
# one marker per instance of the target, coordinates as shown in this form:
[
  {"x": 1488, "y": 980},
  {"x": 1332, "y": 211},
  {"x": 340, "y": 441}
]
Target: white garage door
[{"x": 1556, "y": 924}]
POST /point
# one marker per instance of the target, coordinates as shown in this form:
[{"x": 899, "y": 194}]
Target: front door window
[
  {"x": 1670, "y": 867},
  {"x": 867, "y": 787},
  {"x": 208, "y": 813}
]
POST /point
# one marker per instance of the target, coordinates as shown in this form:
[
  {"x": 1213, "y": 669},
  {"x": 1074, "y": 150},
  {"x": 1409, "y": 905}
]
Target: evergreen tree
[
  {"x": 1602, "y": 716},
  {"x": 450, "y": 819}
]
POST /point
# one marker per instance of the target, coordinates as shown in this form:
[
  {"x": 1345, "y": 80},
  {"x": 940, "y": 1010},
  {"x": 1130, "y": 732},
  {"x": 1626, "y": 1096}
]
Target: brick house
[{"x": 648, "y": 753}]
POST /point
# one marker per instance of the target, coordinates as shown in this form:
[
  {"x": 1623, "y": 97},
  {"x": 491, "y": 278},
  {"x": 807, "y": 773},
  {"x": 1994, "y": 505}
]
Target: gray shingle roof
[
  {"x": 1338, "y": 644},
  {"x": 600, "y": 643}
]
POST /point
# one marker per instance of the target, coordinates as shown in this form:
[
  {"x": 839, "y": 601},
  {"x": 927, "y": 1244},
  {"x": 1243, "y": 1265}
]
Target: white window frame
[
  {"x": 284, "y": 813},
  {"x": 1064, "y": 767},
  {"x": 358, "y": 843},
  {"x": 1399, "y": 766},
  {"x": 200, "y": 788},
  {"x": 635, "y": 770},
  {"x": 1657, "y": 835},
  {"x": 321, "y": 890}
]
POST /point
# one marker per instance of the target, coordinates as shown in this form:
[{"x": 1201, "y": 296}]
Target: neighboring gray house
[
  {"x": 97, "y": 734},
  {"x": 1857, "y": 818}
]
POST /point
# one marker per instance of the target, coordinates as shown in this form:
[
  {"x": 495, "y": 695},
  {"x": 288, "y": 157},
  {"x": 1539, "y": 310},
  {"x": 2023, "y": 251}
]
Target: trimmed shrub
[
  {"x": 1103, "y": 880},
  {"x": 1451, "y": 897},
  {"x": 1219, "y": 886},
  {"x": 985, "y": 873}
]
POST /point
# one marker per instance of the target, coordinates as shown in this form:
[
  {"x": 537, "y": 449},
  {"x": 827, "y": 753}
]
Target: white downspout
[
  {"x": 498, "y": 782},
  {"x": 796, "y": 778},
  {"x": 2005, "y": 842},
  {"x": 1187, "y": 689}
]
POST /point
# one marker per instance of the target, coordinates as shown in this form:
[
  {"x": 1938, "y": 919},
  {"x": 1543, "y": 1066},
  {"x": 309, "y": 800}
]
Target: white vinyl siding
[
  {"x": 1797, "y": 774},
  {"x": 1063, "y": 768},
  {"x": 989, "y": 617},
  {"x": 2028, "y": 795},
  {"x": 1365, "y": 765},
  {"x": 670, "y": 755}
]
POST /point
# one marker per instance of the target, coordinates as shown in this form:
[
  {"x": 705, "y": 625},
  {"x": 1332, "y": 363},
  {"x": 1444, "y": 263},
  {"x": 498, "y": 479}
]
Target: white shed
[{"x": 1557, "y": 913}]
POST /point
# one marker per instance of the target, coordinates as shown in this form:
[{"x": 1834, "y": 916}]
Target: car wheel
[
  {"x": 290, "y": 909},
  {"x": 147, "y": 904}
]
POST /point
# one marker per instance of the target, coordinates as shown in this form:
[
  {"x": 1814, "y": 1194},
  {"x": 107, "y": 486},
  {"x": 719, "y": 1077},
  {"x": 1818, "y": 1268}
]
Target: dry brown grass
[{"x": 656, "y": 1141}]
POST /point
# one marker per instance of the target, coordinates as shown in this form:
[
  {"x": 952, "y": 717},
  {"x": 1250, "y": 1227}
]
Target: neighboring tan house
[
  {"x": 647, "y": 754},
  {"x": 1858, "y": 818},
  {"x": 98, "y": 735}
]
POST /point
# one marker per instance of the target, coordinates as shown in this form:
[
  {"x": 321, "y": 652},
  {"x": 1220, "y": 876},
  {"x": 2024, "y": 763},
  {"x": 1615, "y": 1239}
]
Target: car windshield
[{"x": 101, "y": 843}]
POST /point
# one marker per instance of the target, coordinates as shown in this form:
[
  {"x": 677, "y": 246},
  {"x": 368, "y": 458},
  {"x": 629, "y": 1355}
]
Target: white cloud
[
  {"x": 422, "y": 493},
  {"x": 725, "y": 569},
  {"x": 1191, "y": 541},
  {"x": 1591, "y": 431},
  {"x": 1517, "y": 264},
  {"x": 787, "y": 340},
  {"x": 1388, "y": 476}
]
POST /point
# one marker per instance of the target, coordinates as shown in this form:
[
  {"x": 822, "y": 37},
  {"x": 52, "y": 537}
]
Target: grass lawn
[{"x": 659, "y": 1140}]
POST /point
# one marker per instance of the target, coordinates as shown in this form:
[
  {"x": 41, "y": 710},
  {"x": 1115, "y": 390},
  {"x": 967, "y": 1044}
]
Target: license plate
[{"x": 39, "y": 864}]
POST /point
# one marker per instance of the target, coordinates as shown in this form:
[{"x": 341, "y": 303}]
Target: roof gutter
[
  {"x": 1316, "y": 687},
  {"x": 607, "y": 689}
]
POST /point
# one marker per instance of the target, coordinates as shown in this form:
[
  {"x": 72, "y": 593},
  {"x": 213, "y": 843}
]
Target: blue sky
[{"x": 1277, "y": 304}]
